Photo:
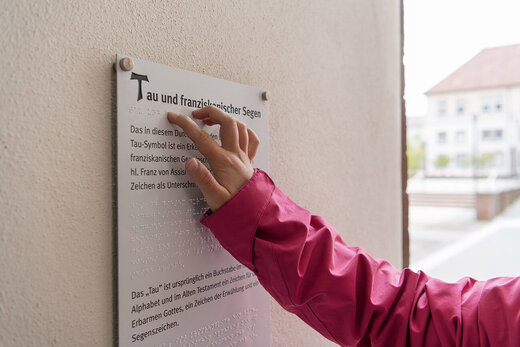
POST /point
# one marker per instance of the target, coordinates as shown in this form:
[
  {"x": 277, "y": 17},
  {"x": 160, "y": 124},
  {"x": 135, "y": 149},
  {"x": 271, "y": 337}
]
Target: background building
[
  {"x": 415, "y": 145},
  {"x": 473, "y": 122}
]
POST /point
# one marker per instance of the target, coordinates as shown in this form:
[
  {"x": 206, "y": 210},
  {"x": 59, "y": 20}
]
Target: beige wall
[{"x": 333, "y": 72}]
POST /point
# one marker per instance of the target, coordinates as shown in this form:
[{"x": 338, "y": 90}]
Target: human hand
[{"x": 230, "y": 163}]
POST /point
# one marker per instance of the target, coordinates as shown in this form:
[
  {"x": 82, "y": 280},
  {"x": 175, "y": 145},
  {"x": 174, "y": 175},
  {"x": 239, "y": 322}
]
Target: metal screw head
[
  {"x": 265, "y": 96},
  {"x": 126, "y": 64}
]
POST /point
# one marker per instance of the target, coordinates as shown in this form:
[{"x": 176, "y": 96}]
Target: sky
[{"x": 441, "y": 35}]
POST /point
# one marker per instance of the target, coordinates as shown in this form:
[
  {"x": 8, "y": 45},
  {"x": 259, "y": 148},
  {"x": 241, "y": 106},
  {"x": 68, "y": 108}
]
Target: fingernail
[
  {"x": 192, "y": 165},
  {"x": 171, "y": 116}
]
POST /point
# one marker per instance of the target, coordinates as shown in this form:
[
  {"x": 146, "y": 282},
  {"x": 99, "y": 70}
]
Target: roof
[{"x": 491, "y": 68}]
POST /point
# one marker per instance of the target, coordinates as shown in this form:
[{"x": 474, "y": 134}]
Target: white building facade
[{"x": 470, "y": 129}]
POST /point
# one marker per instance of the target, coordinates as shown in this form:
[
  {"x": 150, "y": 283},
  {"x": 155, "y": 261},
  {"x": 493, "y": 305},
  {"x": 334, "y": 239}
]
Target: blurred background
[{"x": 462, "y": 92}]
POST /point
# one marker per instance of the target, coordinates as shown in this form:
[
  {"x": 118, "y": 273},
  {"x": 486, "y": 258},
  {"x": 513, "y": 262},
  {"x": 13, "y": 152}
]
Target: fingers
[
  {"x": 213, "y": 113},
  {"x": 243, "y": 138},
  {"x": 214, "y": 193},
  {"x": 234, "y": 135},
  {"x": 206, "y": 145},
  {"x": 228, "y": 128},
  {"x": 253, "y": 144}
]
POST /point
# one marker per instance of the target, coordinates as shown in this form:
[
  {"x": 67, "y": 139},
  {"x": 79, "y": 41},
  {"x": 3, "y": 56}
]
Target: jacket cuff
[{"x": 234, "y": 224}]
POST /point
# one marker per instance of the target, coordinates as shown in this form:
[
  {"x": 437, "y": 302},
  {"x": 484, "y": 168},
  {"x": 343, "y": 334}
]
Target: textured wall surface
[{"x": 333, "y": 72}]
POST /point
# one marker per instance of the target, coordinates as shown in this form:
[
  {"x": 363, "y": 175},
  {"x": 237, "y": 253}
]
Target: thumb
[{"x": 215, "y": 194}]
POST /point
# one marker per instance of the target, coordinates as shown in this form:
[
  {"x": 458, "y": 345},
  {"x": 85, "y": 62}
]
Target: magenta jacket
[{"x": 348, "y": 296}]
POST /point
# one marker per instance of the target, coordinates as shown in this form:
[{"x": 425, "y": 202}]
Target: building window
[
  {"x": 442, "y": 108},
  {"x": 499, "y": 104},
  {"x": 485, "y": 106},
  {"x": 498, "y": 160},
  {"x": 462, "y": 161},
  {"x": 492, "y": 104},
  {"x": 492, "y": 135},
  {"x": 491, "y": 160},
  {"x": 460, "y": 137},
  {"x": 441, "y": 137},
  {"x": 460, "y": 107}
]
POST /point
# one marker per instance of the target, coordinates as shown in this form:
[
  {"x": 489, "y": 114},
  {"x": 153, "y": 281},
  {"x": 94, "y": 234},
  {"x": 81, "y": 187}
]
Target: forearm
[{"x": 348, "y": 296}]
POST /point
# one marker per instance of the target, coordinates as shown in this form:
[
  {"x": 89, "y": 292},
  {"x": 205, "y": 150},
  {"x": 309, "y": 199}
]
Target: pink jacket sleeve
[{"x": 348, "y": 296}]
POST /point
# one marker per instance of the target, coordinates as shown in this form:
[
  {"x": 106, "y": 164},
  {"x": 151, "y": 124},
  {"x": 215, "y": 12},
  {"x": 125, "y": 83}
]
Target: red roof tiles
[{"x": 491, "y": 68}]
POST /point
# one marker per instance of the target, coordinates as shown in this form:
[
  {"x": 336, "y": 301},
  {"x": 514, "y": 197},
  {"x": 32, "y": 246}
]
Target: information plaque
[{"x": 177, "y": 286}]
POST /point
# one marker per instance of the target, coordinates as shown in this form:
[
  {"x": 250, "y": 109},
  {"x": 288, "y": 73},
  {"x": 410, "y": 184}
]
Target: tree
[
  {"x": 486, "y": 160},
  {"x": 442, "y": 161},
  {"x": 415, "y": 155}
]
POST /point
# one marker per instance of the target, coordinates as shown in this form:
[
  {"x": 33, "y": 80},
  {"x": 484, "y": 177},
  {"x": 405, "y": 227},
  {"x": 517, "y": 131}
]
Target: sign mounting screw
[
  {"x": 126, "y": 64},
  {"x": 265, "y": 96}
]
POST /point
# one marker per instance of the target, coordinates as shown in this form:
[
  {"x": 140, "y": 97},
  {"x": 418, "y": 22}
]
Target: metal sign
[{"x": 177, "y": 285}]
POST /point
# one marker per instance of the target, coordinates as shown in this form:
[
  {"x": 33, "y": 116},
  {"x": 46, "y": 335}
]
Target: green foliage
[
  {"x": 486, "y": 160},
  {"x": 415, "y": 155},
  {"x": 442, "y": 161}
]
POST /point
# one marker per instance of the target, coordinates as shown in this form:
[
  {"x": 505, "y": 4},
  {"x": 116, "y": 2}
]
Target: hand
[{"x": 230, "y": 163}]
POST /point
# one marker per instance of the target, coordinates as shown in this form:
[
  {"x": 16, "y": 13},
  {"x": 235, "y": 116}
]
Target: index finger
[
  {"x": 228, "y": 125},
  {"x": 204, "y": 142}
]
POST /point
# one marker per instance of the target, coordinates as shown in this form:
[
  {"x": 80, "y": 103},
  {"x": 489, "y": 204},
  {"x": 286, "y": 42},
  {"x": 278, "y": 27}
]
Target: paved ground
[
  {"x": 448, "y": 243},
  {"x": 460, "y": 185}
]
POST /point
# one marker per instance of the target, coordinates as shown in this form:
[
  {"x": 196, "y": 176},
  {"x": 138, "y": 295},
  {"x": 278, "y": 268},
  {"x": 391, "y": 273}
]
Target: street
[{"x": 449, "y": 243}]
